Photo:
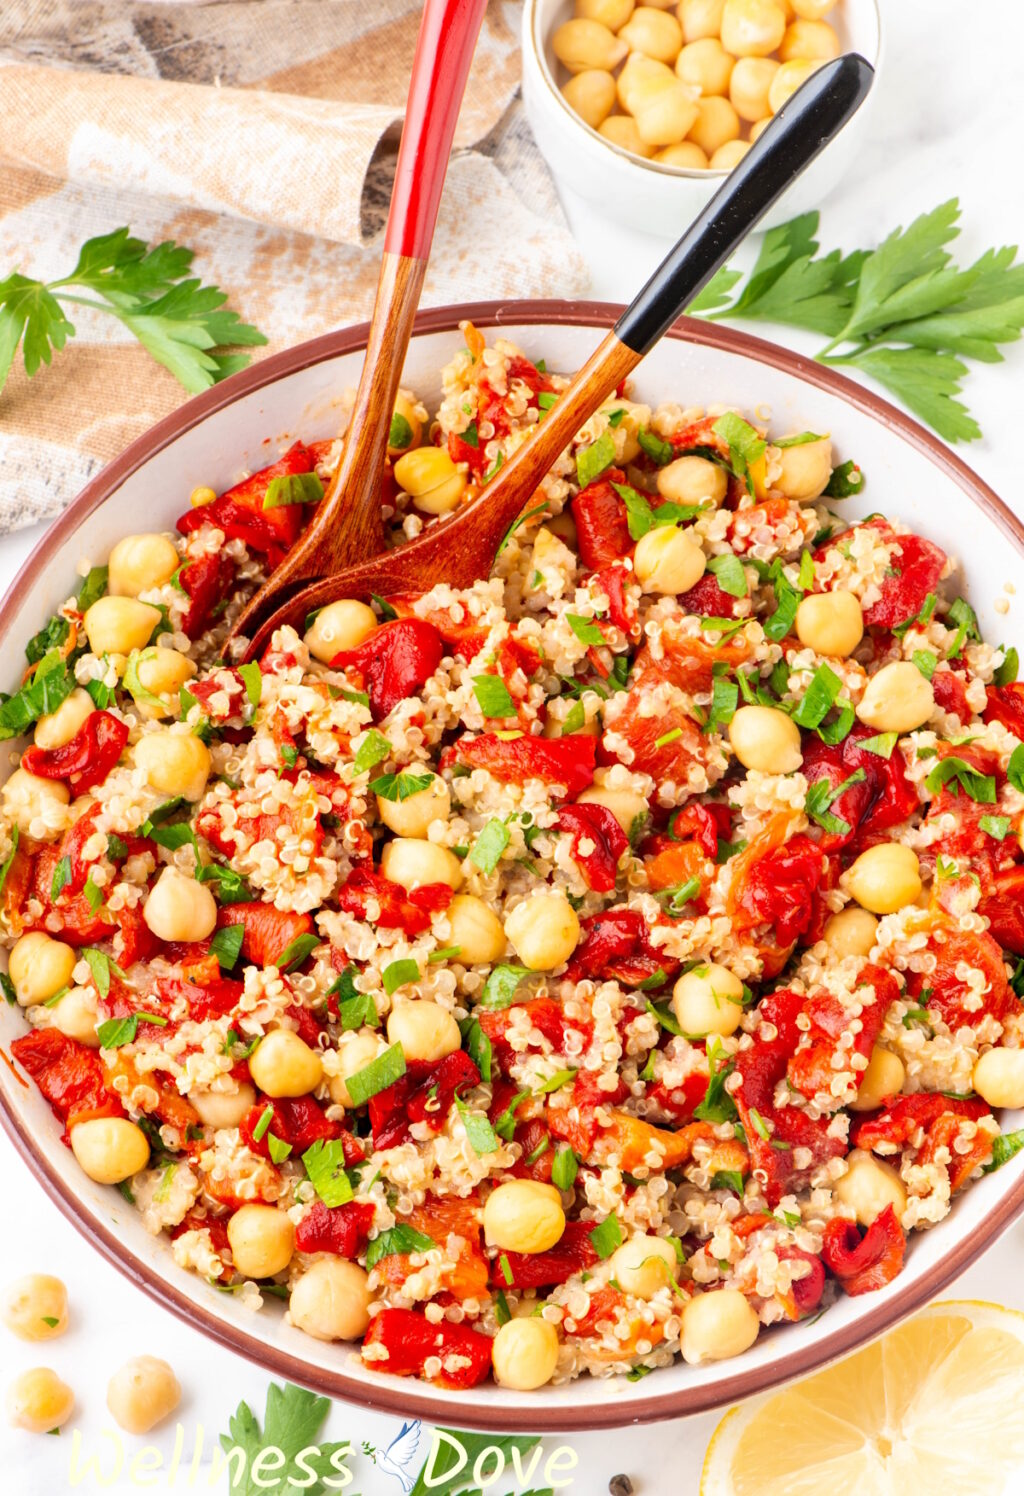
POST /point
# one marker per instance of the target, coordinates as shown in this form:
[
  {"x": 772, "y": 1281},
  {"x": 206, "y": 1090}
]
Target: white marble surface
[{"x": 946, "y": 122}]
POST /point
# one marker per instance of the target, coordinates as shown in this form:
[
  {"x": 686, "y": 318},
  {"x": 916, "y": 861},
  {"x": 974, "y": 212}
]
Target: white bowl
[
  {"x": 650, "y": 196},
  {"x": 909, "y": 474}
]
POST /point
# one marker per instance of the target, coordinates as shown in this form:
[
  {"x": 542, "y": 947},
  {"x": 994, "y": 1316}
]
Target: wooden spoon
[
  {"x": 462, "y": 549},
  {"x": 347, "y": 524}
]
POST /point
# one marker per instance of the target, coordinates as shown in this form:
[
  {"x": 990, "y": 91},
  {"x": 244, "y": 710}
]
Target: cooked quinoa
[{"x": 601, "y": 964}]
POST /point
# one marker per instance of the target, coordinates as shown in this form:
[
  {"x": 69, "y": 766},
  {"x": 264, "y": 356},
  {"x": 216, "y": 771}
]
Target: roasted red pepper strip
[
  {"x": 573, "y": 1253},
  {"x": 297, "y": 1121},
  {"x": 71, "y": 1077},
  {"x": 87, "y": 759},
  {"x": 394, "y": 662},
  {"x": 567, "y": 761},
  {"x": 411, "y": 1341},
  {"x": 268, "y": 931},
  {"x": 616, "y": 947},
  {"x": 340, "y": 1229},
  {"x": 596, "y": 825},
  {"x": 239, "y": 511},
  {"x": 395, "y": 908},
  {"x": 206, "y": 580},
  {"x": 423, "y": 1094},
  {"x": 882, "y": 797},
  {"x": 1006, "y": 705},
  {"x": 864, "y": 1263}
]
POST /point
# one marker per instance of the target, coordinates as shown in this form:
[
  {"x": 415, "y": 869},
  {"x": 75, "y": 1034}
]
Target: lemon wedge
[{"x": 933, "y": 1406}]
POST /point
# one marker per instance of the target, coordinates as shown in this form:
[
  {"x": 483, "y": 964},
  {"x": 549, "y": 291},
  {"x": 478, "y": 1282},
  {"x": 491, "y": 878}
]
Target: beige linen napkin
[{"x": 261, "y": 133}]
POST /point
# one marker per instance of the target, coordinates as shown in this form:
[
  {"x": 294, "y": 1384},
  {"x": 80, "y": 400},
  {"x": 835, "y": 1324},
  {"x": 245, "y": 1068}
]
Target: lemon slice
[{"x": 935, "y": 1406}]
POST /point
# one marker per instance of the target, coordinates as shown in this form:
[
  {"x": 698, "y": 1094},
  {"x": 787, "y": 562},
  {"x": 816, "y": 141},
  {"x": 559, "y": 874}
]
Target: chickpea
[
  {"x": 175, "y": 763},
  {"x": 544, "y": 930},
  {"x": 523, "y": 1216},
  {"x": 139, "y": 562},
  {"x": 36, "y": 1307},
  {"x": 581, "y": 44},
  {"x": 999, "y": 1077},
  {"x": 163, "y": 672},
  {"x": 342, "y": 625},
  {"x": 666, "y": 560},
  {"x": 39, "y": 1401},
  {"x": 201, "y": 496},
  {"x": 708, "y": 1000},
  {"x": 430, "y": 477},
  {"x": 897, "y": 699},
  {"x": 39, "y": 967},
  {"x": 851, "y": 932},
  {"x": 756, "y": 131},
  {"x": 59, "y": 727},
  {"x": 331, "y": 1301},
  {"x": 868, "y": 1186},
  {"x": 750, "y": 86},
  {"x": 117, "y": 625},
  {"x": 524, "y": 1354},
  {"x": 179, "y": 908},
  {"x": 425, "y": 1030},
  {"x": 656, "y": 33},
  {"x": 413, "y": 816},
  {"x": 766, "y": 739},
  {"x": 31, "y": 803},
  {"x": 705, "y": 65},
  {"x": 685, "y": 153},
  {"x": 790, "y": 77},
  {"x": 142, "y": 1394},
  {"x": 717, "y": 1325},
  {"x": 641, "y": 77},
  {"x": 716, "y": 124},
  {"x": 809, "y": 39},
  {"x": 882, "y": 1079},
  {"x": 830, "y": 623},
  {"x": 700, "y": 18},
  {"x": 354, "y": 1054},
  {"x": 729, "y": 155},
  {"x": 284, "y": 1065},
  {"x": 806, "y": 468},
  {"x": 76, "y": 1017},
  {"x": 621, "y": 130},
  {"x": 591, "y": 94},
  {"x": 664, "y": 112},
  {"x": 109, "y": 1149},
  {"x": 644, "y": 1265},
  {"x": 885, "y": 878},
  {"x": 262, "y": 1240},
  {"x": 411, "y": 433},
  {"x": 625, "y": 805},
  {"x": 476, "y": 930},
  {"x": 812, "y": 10},
  {"x": 692, "y": 480},
  {"x": 413, "y": 862},
  {"x": 610, "y": 13},
  {"x": 752, "y": 28},
  {"x": 223, "y": 1108}
]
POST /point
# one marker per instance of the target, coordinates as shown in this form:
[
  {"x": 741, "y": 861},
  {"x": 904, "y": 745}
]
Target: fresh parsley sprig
[
  {"x": 904, "y": 314},
  {"x": 178, "y": 320}
]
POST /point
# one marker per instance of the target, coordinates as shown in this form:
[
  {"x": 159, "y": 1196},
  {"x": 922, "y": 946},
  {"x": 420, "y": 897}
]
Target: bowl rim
[
  {"x": 386, "y": 1395},
  {"x": 538, "y": 54}
]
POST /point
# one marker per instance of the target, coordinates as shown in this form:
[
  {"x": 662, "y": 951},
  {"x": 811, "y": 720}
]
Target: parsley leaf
[
  {"x": 493, "y": 696},
  {"x": 177, "y": 319},
  {"x": 292, "y": 1421},
  {"x": 591, "y": 461}
]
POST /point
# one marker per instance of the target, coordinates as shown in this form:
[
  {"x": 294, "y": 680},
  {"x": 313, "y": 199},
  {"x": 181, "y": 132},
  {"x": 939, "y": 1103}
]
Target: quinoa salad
[{"x": 604, "y": 964}]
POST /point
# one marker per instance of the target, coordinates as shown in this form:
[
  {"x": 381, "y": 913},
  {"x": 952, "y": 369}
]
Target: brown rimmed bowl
[{"x": 240, "y": 424}]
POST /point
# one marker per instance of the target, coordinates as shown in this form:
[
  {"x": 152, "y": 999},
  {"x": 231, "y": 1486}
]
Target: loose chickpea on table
[{"x": 691, "y": 85}]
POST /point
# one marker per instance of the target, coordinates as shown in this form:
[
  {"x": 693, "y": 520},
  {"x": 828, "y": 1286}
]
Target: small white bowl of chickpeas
[{"x": 642, "y": 108}]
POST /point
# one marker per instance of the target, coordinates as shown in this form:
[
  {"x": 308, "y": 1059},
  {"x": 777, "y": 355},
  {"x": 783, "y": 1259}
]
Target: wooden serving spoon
[
  {"x": 347, "y": 524},
  {"x": 461, "y": 549}
]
